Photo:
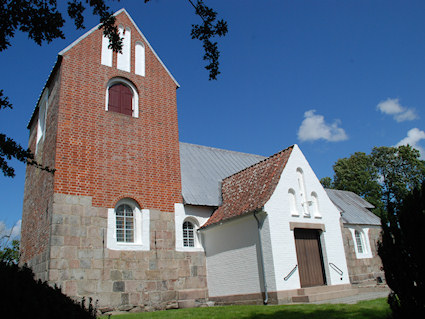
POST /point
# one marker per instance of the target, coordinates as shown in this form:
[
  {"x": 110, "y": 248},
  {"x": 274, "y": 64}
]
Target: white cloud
[
  {"x": 414, "y": 136},
  {"x": 399, "y": 112},
  {"x": 14, "y": 232},
  {"x": 314, "y": 128}
]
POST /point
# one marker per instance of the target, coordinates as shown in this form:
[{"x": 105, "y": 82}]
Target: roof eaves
[
  {"x": 49, "y": 78},
  {"x": 225, "y": 220},
  {"x": 137, "y": 28}
]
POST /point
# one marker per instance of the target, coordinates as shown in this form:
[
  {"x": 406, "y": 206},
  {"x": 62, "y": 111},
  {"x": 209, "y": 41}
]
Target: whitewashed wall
[
  {"x": 280, "y": 216},
  {"x": 232, "y": 259},
  {"x": 198, "y": 215}
]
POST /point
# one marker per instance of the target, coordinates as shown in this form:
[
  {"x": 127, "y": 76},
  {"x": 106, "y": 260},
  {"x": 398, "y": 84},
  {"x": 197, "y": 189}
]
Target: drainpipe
[{"x": 266, "y": 296}]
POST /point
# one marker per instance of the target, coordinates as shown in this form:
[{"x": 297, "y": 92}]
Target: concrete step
[
  {"x": 314, "y": 294},
  {"x": 190, "y": 298},
  {"x": 188, "y": 294},
  {"x": 322, "y": 289}
]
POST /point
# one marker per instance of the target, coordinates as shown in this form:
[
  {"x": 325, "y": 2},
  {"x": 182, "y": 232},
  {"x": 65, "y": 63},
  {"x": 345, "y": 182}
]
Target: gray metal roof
[
  {"x": 353, "y": 207},
  {"x": 203, "y": 168}
]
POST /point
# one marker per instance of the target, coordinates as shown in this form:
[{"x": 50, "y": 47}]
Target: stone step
[
  {"x": 313, "y": 295},
  {"x": 192, "y": 294},
  {"x": 186, "y": 304},
  {"x": 322, "y": 289}
]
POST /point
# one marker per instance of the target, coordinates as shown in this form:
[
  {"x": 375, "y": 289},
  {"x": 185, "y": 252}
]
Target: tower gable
[
  {"x": 114, "y": 145},
  {"x": 107, "y": 57}
]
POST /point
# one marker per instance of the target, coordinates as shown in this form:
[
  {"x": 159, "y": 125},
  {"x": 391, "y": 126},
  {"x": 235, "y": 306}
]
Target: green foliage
[
  {"x": 399, "y": 169},
  {"x": 10, "y": 254},
  {"x": 373, "y": 309},
  {"x": 358, "y": 174},
  {"x": 24, "y": 297},
  {"x": 383, "y": 177},
  {"x": 402, "y": 252},
  {"x": 327, "y": 182}
]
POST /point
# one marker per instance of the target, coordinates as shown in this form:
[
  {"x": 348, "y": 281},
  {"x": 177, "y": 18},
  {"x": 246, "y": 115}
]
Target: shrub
[
  {"x": 25, "y": 297},
  {"x": 402, "y": 251}
]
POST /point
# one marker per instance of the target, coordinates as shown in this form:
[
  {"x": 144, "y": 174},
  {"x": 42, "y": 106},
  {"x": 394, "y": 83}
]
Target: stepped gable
[{"x": 248, "y": 190}]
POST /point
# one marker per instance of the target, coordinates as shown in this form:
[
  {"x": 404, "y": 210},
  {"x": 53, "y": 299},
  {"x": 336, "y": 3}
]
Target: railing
[
  {"x": 334, "y": 267},
  {"x": 291, "y": 273}
]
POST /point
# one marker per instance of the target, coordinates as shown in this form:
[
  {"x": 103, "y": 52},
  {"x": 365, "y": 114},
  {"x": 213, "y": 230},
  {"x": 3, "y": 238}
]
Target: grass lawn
[{"x": 371, "y": 309}]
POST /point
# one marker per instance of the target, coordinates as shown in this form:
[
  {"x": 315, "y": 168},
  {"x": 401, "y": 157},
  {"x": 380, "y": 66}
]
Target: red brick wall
[
  {"x": 38, "y": 194},
  {"x": 109, "y": 155}
]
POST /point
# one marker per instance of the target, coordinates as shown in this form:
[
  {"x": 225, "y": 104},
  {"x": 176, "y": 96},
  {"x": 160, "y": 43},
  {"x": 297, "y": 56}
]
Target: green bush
[{"x": 25, "y": 297}]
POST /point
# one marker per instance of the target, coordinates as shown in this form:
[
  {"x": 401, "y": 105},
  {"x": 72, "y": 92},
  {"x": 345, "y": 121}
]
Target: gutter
[{"x": 263, "y": 273}]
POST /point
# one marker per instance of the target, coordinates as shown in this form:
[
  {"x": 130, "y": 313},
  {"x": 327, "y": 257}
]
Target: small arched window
[
  {"x": 139, "y": 67},
  {"x": 292, "y": 202},
  {"x": 188, "y": 234},
  {"x": 315, "y": 204},
  {"x": 120, "y": 99},
  {"x": 359, "y": 242},
  {"x": 303, "y": 194},
  {"x": 125, "y": 223}
]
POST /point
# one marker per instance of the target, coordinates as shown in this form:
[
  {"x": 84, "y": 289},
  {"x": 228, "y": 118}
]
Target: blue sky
[{"x": 334, "y": 77}]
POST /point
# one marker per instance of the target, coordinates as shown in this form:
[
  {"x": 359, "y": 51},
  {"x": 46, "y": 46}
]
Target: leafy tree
[
  {"x": 357, "y": 174},
  {"x": 402, "y": 253},
  {"x": 43, "y": 22},
  {"x": 10, "y": 254},
  {"x": 327, "y": 182},
  {"x": 383, "y": 177},
  {"x": 399, "y": 169}
]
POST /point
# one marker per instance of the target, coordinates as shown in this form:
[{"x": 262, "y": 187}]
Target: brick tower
[{"x": 103, "y": 224}]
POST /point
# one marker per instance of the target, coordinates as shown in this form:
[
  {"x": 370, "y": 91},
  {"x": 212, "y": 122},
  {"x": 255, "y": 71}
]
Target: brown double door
[{"x": 309, "y": 255}]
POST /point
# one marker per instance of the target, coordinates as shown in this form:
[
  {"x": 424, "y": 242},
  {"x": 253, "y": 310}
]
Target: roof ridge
[
  {"x": 223, "y": 150},
  {"x": 266, "y": 159}
]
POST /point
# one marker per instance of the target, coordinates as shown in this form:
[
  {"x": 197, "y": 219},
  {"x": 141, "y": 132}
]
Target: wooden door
[{"x": 309, "y": 255}]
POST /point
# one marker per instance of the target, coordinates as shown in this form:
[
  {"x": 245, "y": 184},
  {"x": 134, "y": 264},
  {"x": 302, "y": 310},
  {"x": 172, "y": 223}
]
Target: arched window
[
  {"x": 122, "y": 97},
  {"x": 125, "y": 223},
  {"x": 123, "y": 58},
  {"x": 42, "y": 113},
  {"x": 128, "y": 226},
  {"x": 139, "y": 67},
  {"x": 359, "y": 242},
  {"x": 188, "y": 234}
]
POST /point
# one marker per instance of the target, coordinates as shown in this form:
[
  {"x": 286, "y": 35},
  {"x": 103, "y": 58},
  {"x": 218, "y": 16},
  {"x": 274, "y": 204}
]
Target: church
[{"x": 134, "y": 218}]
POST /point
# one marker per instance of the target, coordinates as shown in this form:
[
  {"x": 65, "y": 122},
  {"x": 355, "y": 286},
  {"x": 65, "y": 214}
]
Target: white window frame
[
  {"x": 141, "y": 228},
  {"x": 42, "y": 117},
  {"x": 135, "y": 100},
  {"x": 193, "y": 230},
  {"x": 364, "y": 235},
  {"x": 196, "y": 241}
]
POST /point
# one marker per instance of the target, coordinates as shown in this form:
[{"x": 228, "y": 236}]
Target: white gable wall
[{"x": 280, "y": 216}]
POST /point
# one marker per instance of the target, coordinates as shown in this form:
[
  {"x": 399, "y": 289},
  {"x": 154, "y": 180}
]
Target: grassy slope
[{"x": 372, "y": 309}]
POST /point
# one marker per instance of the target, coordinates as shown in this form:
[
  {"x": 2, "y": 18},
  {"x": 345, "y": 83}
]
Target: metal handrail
[
  {"x": 291, "y": 273},
  {"x": 335, "y": 267}
]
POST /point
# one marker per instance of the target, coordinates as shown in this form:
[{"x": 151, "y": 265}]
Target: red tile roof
[{"x": 249, "y": 189}]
